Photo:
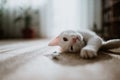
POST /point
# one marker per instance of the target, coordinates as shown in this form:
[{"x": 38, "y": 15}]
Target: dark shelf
[{"x": 111, "y": 18}]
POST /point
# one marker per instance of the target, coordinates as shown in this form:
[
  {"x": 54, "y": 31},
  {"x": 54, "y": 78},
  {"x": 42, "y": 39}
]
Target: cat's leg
[{"x": 90, "y": 50}]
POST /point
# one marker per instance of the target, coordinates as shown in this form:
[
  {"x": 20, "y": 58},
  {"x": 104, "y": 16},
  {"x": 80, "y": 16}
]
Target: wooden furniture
[{"x": 110, "y": 19}]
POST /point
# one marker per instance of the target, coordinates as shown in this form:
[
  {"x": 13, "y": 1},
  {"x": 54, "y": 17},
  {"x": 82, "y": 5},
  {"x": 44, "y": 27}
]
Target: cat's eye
[
  {"x": 71, "y": 47},
  {"x": 65, "y": 39}
]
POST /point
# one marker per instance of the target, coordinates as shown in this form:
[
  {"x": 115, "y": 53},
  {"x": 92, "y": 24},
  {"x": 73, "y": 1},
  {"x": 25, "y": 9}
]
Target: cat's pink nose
[{"x": 74, "y": 40}]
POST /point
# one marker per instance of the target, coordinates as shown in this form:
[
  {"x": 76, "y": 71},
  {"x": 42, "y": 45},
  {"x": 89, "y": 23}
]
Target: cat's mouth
[
  {"x": 74, "y": 48},
  {"x": 71, "y": 48}
]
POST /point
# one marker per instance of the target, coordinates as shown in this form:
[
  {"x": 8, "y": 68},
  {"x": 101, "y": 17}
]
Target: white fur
[{"x": 88, "y": 45}]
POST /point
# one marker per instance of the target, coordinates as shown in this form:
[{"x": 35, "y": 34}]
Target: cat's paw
[{"x": 87, "y": 52}]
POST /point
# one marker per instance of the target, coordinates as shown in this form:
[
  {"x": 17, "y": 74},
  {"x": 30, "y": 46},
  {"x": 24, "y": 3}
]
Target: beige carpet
[{"x": 34, "y": 60}]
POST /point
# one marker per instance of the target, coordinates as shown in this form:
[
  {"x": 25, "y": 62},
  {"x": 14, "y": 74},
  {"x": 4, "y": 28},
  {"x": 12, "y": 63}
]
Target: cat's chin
[
  {"x": 66, "y": 51},
  {"x": 62, "y": 50}
]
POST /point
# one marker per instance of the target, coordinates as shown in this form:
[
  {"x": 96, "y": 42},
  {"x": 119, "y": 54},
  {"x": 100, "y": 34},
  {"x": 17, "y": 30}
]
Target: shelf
[
  {"x": 115, "y": 2},
  {"x": 111, "y": 6},
  {"x": 115, "y": 19},
  {"x": 106, "y": 23},
  {"x": 111, "y": 18}
]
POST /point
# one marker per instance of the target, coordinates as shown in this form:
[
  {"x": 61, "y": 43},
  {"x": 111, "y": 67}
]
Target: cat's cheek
[{"x": 62, "y": 50}]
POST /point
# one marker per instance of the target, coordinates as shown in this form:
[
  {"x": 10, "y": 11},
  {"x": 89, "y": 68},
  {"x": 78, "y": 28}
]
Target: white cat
[{"x": 86, "y": 42}]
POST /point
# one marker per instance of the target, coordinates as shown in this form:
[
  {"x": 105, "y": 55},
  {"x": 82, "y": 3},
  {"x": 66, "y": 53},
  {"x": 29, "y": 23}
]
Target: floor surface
[{"x": 35, "y": 60}]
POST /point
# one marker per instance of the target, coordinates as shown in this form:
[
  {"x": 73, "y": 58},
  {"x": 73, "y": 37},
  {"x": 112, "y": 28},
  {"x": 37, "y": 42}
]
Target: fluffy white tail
[{"x": 110, "y": 44}]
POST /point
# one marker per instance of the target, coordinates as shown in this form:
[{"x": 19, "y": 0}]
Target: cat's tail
[{"x": 110, "y": 44}]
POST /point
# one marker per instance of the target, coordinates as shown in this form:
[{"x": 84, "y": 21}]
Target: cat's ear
[{"x": 54, "y": 42}]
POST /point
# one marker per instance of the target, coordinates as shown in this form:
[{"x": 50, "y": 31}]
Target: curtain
[
  {"x": 54, "y": 16},
  {"x": 13, "y": 9},
  {"x": 68, "y": 15}
]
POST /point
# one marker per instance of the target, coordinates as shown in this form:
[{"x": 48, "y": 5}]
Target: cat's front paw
[{"x": 87, "y": 52}]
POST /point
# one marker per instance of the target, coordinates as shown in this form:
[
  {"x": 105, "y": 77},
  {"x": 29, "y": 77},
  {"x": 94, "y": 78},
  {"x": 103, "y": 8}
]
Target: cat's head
[{"x": 69, "y": 41}]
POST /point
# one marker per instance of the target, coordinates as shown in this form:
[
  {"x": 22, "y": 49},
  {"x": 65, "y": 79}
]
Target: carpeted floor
[{"x": 34, "y": 60}]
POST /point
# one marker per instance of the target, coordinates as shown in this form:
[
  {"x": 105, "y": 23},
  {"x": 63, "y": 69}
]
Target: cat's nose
[{"x": 74, "y": 40}]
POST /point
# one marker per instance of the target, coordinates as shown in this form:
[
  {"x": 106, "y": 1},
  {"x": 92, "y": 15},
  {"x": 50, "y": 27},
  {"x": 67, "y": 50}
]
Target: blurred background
[{"x": 30, "y": 19}]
